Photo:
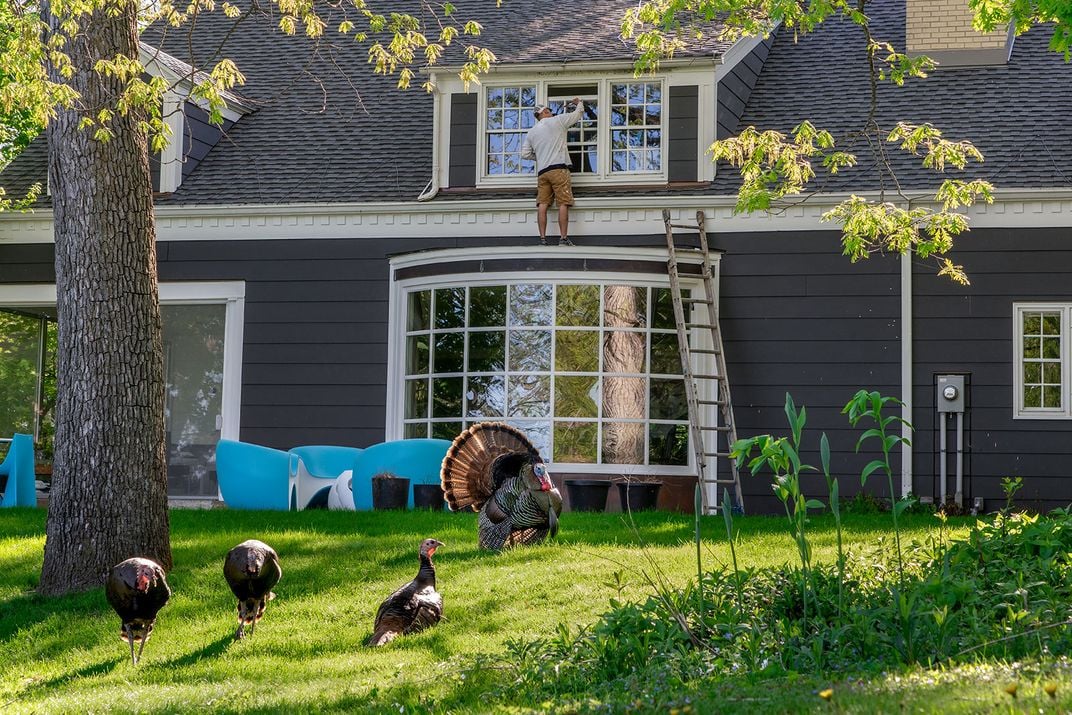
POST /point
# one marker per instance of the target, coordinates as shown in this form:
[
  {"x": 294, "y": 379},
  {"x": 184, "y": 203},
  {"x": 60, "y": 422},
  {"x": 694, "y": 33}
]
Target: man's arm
[
  {"x": 526, "y": 149},
  {"x": 568, "y": 120}
]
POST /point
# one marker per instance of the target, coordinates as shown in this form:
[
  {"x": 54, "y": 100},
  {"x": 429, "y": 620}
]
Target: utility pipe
[
  {"x": 960, "y": 460},
  {"x": 432, "y": 187},
  {"x": 942, "y": 458}
]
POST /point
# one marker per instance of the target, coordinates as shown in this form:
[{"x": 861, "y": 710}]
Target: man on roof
[{"x": 546, "y": 143}]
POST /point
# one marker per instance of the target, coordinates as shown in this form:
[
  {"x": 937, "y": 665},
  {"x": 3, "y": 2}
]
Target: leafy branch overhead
[
  {"x": 774, "y": 166},
  {"x": 37, "y": 72}
]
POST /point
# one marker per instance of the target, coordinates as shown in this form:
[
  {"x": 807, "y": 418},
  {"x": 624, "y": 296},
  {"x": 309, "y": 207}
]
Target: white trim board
[{"x": 505, "y": 218}]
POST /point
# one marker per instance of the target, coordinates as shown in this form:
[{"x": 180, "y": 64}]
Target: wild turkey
[
  {"x": 137, "y": 590},
  {"x": 494, "y": 469},
  {"x": 412, "y": 608},
  {"x": 251, "y": 569}
]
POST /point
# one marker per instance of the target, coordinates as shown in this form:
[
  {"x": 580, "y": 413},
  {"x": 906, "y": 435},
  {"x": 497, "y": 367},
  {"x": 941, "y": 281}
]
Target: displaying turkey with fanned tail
[
  {"x": 493, "y": 468},
  {"x": 413, "y": 607},
  {"x": 251, "y": 569},
  {"x": 137, "y": 590}
]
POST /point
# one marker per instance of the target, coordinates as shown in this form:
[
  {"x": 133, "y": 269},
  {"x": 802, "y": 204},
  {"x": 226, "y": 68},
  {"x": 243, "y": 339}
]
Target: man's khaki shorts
[{"x": 555, "y": 182}]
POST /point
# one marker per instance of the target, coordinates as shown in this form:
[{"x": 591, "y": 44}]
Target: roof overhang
[{"x": 182, "y": 77}]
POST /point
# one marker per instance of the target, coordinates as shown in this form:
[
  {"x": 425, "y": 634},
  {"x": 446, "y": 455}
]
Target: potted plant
[
  {"x": 389, "y": 491},
  {"x": 587, "y": 494},
  {"x": 638, "y": 495}
]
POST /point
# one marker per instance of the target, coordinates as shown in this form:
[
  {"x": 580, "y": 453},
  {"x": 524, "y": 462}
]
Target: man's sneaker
[
  {"x": 566, "y": 242},
  {"x": 543, "y": 241}
]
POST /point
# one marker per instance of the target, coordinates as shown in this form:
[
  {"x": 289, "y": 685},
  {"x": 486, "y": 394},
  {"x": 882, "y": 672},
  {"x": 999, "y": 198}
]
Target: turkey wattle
[
  {"x": 137, "y": 590},
  {"x": 413, "y": 607},
  {"x": 493, "y": 468},
  {"x": 251, "y": 569}
]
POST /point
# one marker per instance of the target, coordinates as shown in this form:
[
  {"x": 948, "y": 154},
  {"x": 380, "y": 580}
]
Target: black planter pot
[
  {"x": 587, "y": 494},
  {"x": 390, "y": 492},
  {"x": 638, "y": 496},
  {"x": 428, "y": 496}
]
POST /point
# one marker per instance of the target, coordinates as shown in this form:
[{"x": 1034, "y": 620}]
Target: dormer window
[{"x": 619, "y": 138}]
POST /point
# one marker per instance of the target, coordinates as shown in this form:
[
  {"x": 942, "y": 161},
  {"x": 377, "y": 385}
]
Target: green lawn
[{"x": 64, "y": 655}]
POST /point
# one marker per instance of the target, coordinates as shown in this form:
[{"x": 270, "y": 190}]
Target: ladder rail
[{"x": 695, "y": 401}]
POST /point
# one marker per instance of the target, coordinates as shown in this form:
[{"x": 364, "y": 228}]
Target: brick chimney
[{"x": 942, "y": 30}]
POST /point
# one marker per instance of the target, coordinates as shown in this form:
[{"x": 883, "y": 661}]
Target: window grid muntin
[
  {"x": 1020, "y": 311},
  {"x": 649, "y": 133},
  {"x": 503, "y": 142},
  {"x": 551, "y": 419}
]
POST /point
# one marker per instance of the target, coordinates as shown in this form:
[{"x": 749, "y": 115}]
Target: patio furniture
[
  {"x": 251, "y": 476},
  {"x": 18, "y": 467},
  {"x": 314, "y": 469},
  {"x": 418, "y": 460}
]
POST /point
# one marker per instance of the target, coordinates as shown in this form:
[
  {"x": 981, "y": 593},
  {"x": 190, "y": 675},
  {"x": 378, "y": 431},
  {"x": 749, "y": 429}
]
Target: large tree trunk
[{"x": 109, "y": 490}]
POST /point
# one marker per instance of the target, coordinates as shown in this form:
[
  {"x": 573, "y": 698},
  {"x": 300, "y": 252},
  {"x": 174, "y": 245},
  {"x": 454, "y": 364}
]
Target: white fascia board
[
  {"x": 503, "y": 218},
  {"x": 180, "y": 76},
  {"x": 187, "y": 292}
]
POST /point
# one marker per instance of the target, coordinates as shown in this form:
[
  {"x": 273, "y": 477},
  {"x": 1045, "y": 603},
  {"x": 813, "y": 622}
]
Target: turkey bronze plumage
[
  {"x": 137, "y": 590},
  {"x": 251, "y": 569},
  {"x": 413, "y": 607},
  {"x": 493, "y": 468}
]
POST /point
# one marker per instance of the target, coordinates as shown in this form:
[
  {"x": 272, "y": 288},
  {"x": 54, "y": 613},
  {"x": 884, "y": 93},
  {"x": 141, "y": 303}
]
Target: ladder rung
[
  {"x": 704, "y": 351},
  {"x": 716, "y": 454},
  {"x": 705, "y": 377},
  {"x": 699, "y": 325},
  {"x": 710, "y": 402},
  {"x": 720, "y": 428},
  {"x": 694, "y": 301},
  {"x": 717, "y": 481},
  {"x": 693, "y": 226}
]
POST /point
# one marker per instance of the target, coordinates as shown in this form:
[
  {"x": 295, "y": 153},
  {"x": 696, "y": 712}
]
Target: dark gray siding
[
  {"x": 797, "y": 317},
  {"x": 462, "y": 171},
  {"x": 970, "y": 330},
  {"x": 683, "y": 144},
  {"x": 199, "y": 136},
  {"x": 735, "y": 88}
]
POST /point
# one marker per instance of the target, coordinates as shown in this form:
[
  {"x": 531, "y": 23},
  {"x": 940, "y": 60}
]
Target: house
[{"x": 345, "y": 263}]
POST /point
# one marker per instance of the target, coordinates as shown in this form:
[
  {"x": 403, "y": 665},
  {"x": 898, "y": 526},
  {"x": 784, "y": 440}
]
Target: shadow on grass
[{"x": 209, "y": 650}]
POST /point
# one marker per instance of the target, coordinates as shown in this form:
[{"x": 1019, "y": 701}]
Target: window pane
[
  {"x": 450, "y": 307},
  {"x": 487, "y": 306},
  {"x": 495, "y": 143},
  {"x": 575, "y": 442},
  {"x": 1051, "y": 373},
  {"x": 1051, "y": 348},
  {"x": 577, "y": 396},
  {"x": 530, "y": 305},
  {"x": 1051, "y": 396},
  {"x": 448, "y": 352},
  {"x": 420, "y": 308},
  {"x": 1032, "y": 373},
  {"x": 1032, "y": 323},
  {"x": 530, "y": 351},
  {"x": 486, "y": 397},
  {"x": 529, "y": 396},
  {"x": 624, "y": 351},
  {"x": 623, "y": 442},
  {"x": 495, "y": 97},
  {"x": 668, "y": 400},
  {"x": 416, "y": 398},
  {"x": 665, "y": 358},
  {"x": 577, "y": 350},
  {"x": 417, "y": 354},
  {"x": 625, "y": 307},
  {"x": 487, "y": 351},
  {"x": 662, "y": 309},
  {"x": 416, "y": 430},
  {"x": 577, "y": 305},
  {"x": 446, "y": 430},
  {"x": 668, "y": 444},
  {"x": 1051, "y": 324},
  {"x": 539, "y": 433},
  {"x": 1032, "y": 347},
  {"x": 447, "y": 397},
  {"x": 20, "y": 349},
  {"x": 623, "y": 397}
]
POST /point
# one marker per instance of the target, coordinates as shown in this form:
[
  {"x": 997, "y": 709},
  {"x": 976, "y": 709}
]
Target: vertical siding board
[
  {"x": 684, "y": 133},
  {"x": 462, "y": 161}
]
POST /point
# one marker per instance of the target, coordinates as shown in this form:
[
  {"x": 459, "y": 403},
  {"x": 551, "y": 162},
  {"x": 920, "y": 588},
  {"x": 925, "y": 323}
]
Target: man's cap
[{"x": 539, "y": 108}]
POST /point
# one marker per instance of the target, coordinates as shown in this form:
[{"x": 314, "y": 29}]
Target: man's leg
[
  {"x": 563, "y": 225},
  {"x": 541, "y": 221}
]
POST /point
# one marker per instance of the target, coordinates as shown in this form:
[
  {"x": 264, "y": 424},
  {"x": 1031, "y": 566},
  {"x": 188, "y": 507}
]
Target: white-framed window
[
  {"x": 202, "y": 333},
  {"x": 589, "y": 370},
  {"x": 1041, "y": 363},
  {"x": 620, "y": 138}
]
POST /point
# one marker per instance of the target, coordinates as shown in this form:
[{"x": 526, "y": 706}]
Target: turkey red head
[
  {"x": 429, "y": 546},
  {"x": 536, "y": 477}
]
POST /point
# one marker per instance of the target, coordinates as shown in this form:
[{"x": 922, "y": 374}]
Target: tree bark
[{"x": 109, "y": 489}]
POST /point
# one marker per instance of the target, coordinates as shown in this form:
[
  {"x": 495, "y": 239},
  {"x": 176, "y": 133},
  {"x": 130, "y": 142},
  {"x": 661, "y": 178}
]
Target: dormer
[
  {"x": 942, "y": 30},
  {"x": 192, "y": 134}
]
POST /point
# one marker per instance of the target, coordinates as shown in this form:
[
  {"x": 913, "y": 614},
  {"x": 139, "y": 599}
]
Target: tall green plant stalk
[
  {"x": 835, "y": 509},
  {"x": 782, "y": 457},
  {"x": 698, "y": 509},
  {"x": 727, "y": 516},
  {"x": 870, "y": 404}
]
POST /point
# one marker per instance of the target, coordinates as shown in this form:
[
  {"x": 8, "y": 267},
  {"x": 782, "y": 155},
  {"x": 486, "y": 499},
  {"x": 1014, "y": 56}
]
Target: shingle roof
[{"x": 1019, "y": 115}]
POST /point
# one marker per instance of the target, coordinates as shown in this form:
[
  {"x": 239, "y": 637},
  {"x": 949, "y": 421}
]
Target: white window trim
[
  {"x": 396, "y": 333},
  {"x": 1041, "y": 413},
  {"x": 231, "y": 293},
  {"x": 603, "y": 177}
]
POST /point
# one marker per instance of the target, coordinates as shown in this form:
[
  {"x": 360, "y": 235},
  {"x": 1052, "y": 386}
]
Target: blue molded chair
[
  {"x": 18, "y": 465},
  {"x": 313, "y": 471},
  {"x": 251, "y": 476},
  {"x": 419, "y": 460}
]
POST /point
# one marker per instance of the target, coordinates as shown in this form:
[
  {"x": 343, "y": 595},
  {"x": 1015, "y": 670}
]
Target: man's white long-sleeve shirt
[{"x": 546, "y": 142}]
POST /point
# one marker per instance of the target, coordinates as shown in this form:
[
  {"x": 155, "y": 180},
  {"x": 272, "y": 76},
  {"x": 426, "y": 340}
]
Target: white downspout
[
  {"x": 906, "y": 371},
  {"x": 432, "y": 188}
]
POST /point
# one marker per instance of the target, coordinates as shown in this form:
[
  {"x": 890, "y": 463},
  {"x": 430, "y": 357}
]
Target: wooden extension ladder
[{"x": 710, "y": 442}]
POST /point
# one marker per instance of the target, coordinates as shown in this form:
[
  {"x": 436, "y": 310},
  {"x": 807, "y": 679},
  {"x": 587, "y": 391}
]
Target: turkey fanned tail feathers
[{"x": 493, "y": 468}]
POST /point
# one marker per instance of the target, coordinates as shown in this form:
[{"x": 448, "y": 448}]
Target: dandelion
[
  {"x": 1050, "y": 689},
  {"x": 1011, "y": 689},
  {"x": 826, "y": 694}
]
